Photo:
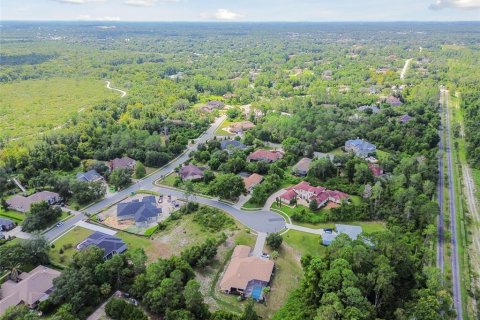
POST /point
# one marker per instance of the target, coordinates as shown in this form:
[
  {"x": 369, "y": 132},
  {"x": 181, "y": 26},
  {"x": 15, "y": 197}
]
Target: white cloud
[
  {"x": 78, "y": 1},
  {"x": 225, "y": 14},
  {"x": 146, "y": 3},
  {"x": 458, "y": 4},
  {"x": 90, "y": 18}
]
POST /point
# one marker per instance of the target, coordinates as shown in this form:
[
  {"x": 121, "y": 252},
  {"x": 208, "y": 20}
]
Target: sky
[{"x": 241, "y": 10}]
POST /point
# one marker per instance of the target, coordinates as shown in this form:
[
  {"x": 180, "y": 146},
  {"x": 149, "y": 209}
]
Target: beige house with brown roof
[
  {"x": 238, "y": 127},
  {"x": 246, "y": 275},
  {"x": 23, "y": 204},
  {"x": 33, "y": 287},
  {"x": 252, "y": 181}
]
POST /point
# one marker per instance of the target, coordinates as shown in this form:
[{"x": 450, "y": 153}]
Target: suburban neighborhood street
[{"x": 456, "y": 281}]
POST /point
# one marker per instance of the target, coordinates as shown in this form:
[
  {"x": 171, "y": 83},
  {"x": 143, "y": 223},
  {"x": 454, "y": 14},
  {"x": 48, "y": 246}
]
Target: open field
[{"x": 33, "y": 106}]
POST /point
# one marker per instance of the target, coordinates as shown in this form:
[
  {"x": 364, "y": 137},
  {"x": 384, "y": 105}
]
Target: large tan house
[
  {"x": 23, "y": 204},
  {"x": 247, "y": 275},
  {"x": 32, "y": 288}
]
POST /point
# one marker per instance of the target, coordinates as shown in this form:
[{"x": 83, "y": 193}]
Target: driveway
[
  {"x": 259, "y": 244},
  {"x": 94, "y": 227}
]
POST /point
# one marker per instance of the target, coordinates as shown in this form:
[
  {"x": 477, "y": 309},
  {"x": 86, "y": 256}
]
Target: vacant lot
[{"x": 33, "y": 106}]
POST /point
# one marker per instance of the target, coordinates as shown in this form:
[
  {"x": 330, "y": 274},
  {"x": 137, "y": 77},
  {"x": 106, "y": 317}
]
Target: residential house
[
  {"x": 122, "y": 163},
  {"x": 304, "y": 193},
  {"x": 109, "y": 244},
  {"x": 265, "y": 155},
  {"x": 143, "y": 212},
  {"x": 191, "y": 172},
  {"x": 302, "y": 167},
  {"x": 382, "y": 70},
  {"x": 361, "y": 148},
  {"x": 30, "y": 288},
  {"x": 374, "y": 109},
  {"x": 247, "y": 275},
  {"x": 393, "y": 101},
  {"x": 405, "y": 118},
  {"x": 252, "y": 181},
  {"x": 239, "y": 127},
  {"x": 213, "y": 105},
  {"x": 377, "y": 171},
  {"x": 320, "y": 155},
  {"x": 23, "y": 204},
  {"x": 352, "y": 231},
  {"x": 6, "y": 225},
  {"x": 89, "y": 176},
  {"x": 232, "y": 144}
]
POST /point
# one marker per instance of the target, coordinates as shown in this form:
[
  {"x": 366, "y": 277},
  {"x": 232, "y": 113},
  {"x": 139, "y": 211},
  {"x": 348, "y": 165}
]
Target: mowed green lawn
[
  {"x": 67, "y": 244},
  {"x": 15, "y": 216},
  {"x": 32, "y": 106}
]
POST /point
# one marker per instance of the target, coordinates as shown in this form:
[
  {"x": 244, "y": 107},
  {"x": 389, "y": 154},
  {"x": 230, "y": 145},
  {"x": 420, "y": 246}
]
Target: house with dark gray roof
[
  {"x": 6, "y": 225},
  {"x": 374, "y": 109},
  {"x": 232, "y": 144},
  {"x": 89, "y": 176},
  {"x": 143, "y": 212},
  {"x": 351, "y": 231},
  {"x": 109, "y": 244},
  {"x": 361, "y": 148}
]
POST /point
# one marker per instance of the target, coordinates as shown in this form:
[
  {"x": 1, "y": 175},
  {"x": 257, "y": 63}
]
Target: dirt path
[
  {"x": 115, "y": 89},
  {"x": 405, "y": 69}
]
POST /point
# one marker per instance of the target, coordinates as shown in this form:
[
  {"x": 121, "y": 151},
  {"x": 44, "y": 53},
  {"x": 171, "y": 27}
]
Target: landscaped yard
[
  {"x": 199, "y": 187},
  {"x": 67, "y": 244},
  {"x": 15, "y": 216}
]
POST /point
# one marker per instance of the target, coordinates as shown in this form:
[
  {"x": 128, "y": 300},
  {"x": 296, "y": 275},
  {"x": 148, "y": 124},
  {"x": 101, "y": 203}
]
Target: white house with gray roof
[{"x": 361, "y": 148}]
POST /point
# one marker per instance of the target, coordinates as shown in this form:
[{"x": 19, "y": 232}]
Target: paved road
[
  {"x": 147, "y": 183},
  {"x": 56, "y": 232},
  {"x": 259, "y": 221},
  {"x": 456, "y": 280},
  {"x": 441, "y": 197},
  {"x": 115, "y": 89}
]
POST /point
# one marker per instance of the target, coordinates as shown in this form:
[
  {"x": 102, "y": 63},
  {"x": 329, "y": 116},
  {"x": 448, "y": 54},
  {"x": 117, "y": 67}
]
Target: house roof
[
  {"x": 109, "y": 244},
  {"x": 33, "y": 287},
  {"x": 252, "y": 180},
  {"x": 5, "y": 222},
  {"x": 122, "y": 163},
  {"x": 226, "y": 144},
  {"x": 241, "y": 126},
  {"x": 244, "y": 268},
  {"x": 140, "y": 210},
  {"x": 22, "y": 203},
  {"x": 89, "y": 176},
  {"x": 303, "y": 165},
  {"x": 262, "y": 154},
  {"x": 320, "y": 194},
  {"x": 376, "y": 169},
  {"x": 190, "y": 171},
  {"x": 216, "y": 104},
  {"x": 393, "y": 101},
  {"x": 352, "y": 231},
  {"x": 289, "y": 194},
  {"x": 405, "y": 118},
  {"x": 361, "y": 144},
  {"x": 374, "y": 109}
]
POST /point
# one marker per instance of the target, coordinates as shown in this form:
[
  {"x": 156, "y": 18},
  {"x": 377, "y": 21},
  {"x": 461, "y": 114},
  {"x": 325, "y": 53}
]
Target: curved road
[
  {"x": 259, "y": 221},
  {"x": 115, "y": 89}
]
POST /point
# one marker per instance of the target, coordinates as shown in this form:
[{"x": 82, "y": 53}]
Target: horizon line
[{"x": 244, "y": 21}]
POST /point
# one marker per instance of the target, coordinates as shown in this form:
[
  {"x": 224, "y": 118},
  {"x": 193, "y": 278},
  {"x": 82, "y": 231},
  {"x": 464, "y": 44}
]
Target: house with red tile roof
[
  {"x": 305, "y": 193},
  {"x": 265, "y": 155},
  {"x": 252, "y": 181},
  {"x": 377, "y": 171}
]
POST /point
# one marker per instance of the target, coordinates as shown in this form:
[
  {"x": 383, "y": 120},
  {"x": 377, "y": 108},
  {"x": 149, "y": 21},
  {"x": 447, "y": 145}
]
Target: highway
[{"x": 456, "y": 281}]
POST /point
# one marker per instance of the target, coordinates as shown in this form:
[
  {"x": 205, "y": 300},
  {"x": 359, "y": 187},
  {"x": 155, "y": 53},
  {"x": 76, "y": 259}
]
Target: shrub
[{"x": 274, "y": 241}]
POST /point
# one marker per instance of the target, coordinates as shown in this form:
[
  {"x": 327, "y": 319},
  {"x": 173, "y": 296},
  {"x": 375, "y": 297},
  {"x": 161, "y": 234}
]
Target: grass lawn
[
  {"x": 32, "y": 106},
  {"x": 220, "y": 132},
  {"x": 250, "y": 205},
  {"x": 133, "y": 242},
  {"x": 199, "y": 187},
  {"x": 15, "y": 216},
  {"x": 304, "y": 243},
  {"x": 67, "y": 243}
]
